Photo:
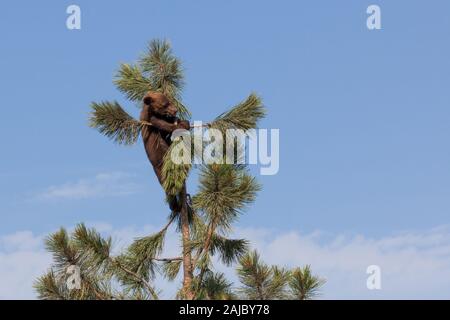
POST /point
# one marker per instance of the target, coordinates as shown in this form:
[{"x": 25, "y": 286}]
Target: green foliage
[
  {"x": 215, "y": 287},
  {"x": 139, "y": 262},
  {"x": 66, "y": 253},
  {"x": 48, "y": 288},
  {"x": 230, "y": 250},
  {"x": 260, "y": 281},
  {"x": 99, "y": 271},
  {"x": 224, "y": 192},
  {"x": 175, "y": 173},
  {"x": 163, "y": 68},
  {"x": 62, "y": 249},
  {"x": 132, "y": 271},
  {"x": 111, "y": 120},
  {"x": 53, "y": 287},
  {"x": 244, "y": 116},
  {"x": 157, "y": 70},
  {"x": 277, "y": 283},
  {"x": 263, "y": 282},
  {"x": 130, "y": 81},
  {"x": 170, "y": 269},
  {"x": 142, "y": 252},
  {"x": 304, "y": 285},
  {"x": 93, "y": 248}
]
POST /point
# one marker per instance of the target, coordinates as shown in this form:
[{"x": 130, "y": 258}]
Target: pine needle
[
  {"x": 304, "y": 285},
  {"x": 171, "y": 269},
  {"x": 174, "y": 175},
  {"x": 132, "y": 82},
  {"x": 165, "y": 73},
  {"x": 244, "y": 116},
  {"x": 111, "y": 120}
]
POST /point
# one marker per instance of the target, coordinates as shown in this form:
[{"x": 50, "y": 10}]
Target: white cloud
[
  {"x": 102, "y": 185},
  {"x": 22, "y": 260},
  {"x": 414, "y": 264},
  {"x": 22, "y": 240}
]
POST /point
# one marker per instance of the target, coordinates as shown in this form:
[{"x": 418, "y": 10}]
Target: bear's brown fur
[{"x": 162, "y": 114}]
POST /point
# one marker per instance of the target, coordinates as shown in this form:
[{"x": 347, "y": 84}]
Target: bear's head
[{"x": 159, "y": 105}]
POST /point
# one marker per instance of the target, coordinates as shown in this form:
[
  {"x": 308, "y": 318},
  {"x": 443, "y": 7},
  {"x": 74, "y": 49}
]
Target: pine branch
[
  {"x": 203, "y": 239},
  {"x": 244, "y": 116},
  {"x": 183, "y": 111},
  {"x": 204, "y": 235},
  {"x": 254, "y": 275},
  {"x": 92, "y": 288},
  {"x": 203, "y": 263},
  {"x": 165, "y": 73},
  {"x": 143, "y": 251},
  {"x": 96, "y": 256},
  {"x": 95, "y": 251},
  {"x": 304, "y": 285},
  {"x": 134, "y": 280},
  {"x": 111, "y": 120},
  {"x": 230, "y": 250},
  {"x": 170, "y": 269},
  {"x": 139, "y": 295},
  {"x": 168, "y": 259},
  {"x": 215, "y": 287},
  {"x": 132, "y": 82},
  {"x": 91, "y": 253},
  {"x": 224, "y": 192},
  {"x": 163, "y": 67},
  {"x": 209, "y": 243},
  {"x": 174, "y": 174},
  {"x": 52, "y": 286},
  {"x": 48, "y": 288},
  {"x": 276, "y": 287},
  {"x": 64, "y": 253},
  {"x": 138, "y": 263}
]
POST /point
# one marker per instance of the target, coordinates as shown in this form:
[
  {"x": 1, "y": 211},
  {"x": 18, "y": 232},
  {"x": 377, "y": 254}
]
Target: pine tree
[
  {"x": 263, "y": 282},
  {"x": 205, "y": 221}
]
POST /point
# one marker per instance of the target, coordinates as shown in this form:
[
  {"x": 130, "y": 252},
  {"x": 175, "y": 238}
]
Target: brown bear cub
[{"x": 162, "y": 114}]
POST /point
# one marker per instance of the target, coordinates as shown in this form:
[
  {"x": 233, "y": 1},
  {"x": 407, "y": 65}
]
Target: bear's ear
[{"x": 148, "y": 100}]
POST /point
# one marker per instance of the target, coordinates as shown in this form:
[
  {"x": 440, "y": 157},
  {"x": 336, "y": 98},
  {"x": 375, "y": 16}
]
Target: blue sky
[{"x": 363, "y": 118}]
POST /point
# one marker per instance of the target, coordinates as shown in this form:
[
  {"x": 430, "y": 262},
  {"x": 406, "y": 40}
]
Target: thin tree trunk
[{"x": 187, "y": 256}]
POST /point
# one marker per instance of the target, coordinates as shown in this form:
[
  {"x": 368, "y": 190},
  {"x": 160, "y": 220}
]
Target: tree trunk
[{"x": 187, "y": 257}]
